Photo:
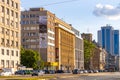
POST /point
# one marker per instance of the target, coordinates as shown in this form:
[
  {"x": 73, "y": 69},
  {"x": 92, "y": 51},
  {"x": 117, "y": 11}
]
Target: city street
[{"x": 93, "y": 76}]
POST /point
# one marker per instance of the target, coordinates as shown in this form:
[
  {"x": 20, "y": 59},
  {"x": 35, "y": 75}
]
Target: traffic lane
[{"x": 97, "y": 76}]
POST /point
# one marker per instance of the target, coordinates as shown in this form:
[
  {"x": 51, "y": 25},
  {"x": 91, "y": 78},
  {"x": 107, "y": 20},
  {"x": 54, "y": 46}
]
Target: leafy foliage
[
  {"x": 88, "y": 53},
  {"x": 30, "y": 58}
]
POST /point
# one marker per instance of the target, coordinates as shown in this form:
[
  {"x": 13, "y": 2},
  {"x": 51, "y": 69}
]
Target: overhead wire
[{"x": 59, "y": 2}]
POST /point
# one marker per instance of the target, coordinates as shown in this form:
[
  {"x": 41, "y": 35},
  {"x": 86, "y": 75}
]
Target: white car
[
  {"x": 38, "y": 73},
  {"x": 5, "y": 73}
]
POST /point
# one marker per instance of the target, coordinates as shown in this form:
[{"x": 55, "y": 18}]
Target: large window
[
  {"x": 2, "y": 51},
  {"x": 2, "y": 64},
  {"x": 12, "y": 53},
  {"x": 7, "y": 52},
  {"x": 3, "y": 9}
]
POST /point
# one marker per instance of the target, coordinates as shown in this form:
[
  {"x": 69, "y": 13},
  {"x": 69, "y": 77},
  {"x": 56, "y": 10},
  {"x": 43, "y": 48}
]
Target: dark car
[
  {"x": 20, "y": 72},
  {"x": 51, "y": 71},
  {"x": 59, "y": 71},
  {"x": 75, "y": 71},
  {"x": 46, "y": 71}
]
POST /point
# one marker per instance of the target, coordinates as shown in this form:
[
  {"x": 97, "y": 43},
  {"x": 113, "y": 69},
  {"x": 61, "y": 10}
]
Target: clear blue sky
[{"x": 84, "y": 15}]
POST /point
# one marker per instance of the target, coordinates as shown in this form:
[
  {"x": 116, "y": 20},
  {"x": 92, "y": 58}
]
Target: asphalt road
[{"x": 95, "y": 76}]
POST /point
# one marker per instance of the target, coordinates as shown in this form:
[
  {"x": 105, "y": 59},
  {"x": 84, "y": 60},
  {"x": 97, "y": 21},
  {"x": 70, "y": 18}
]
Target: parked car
[
  {"x": 95, "y": 71},
  {"x": 38, "y": 72},
  {"x": 81, "y": 71},
  {"x": 46, "y": 71},
  {"x": 75, "y": 71},
  {"x": 51, "y": 71},
  {"x": 5, "y": 73},
  {"x": 85, "y": 71},
  {"x": 21, "y": 72},
  {"x": 59, "y": 71},
  {"x": 90, "y": 71}
]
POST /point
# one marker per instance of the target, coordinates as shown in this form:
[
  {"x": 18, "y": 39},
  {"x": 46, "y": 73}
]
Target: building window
[
  {"x": 7, "y": 44},
  {"x": 2, "y": 41},
  {"x": 3, "y": 9},
  {"x": 17, "y": 53},
  {"x": 16, "y": 24},
  {"x": 16, "y": 34},
  {"x": 12, "y": 23},
  {"x": 2, "y": 64},
  {"x": 16, "y": 15},
  {"x": 8, "y": 11},
  {"x": 12, "y": 63},
  {"x": 8, "y": 2},
  {"x": 2, "y": 52},
  {"x": 16, "y": 44},
  {"x": 16, "y": 5},
  {"x": 2, "y": 30},
  {"x": 12, "y": 3},
  {"x": 3, "y": 0},
  {"x": 7, "y": 31},
  {"x": 8, "y": 21},
  {"x": 12, "y": 53},
  {"x": 7, "y": 52},
  {"x": 12, "y": 33},
  {"x": 7, "y": 63},
  {"x": 12, "y": 43},
  {"x": 12, "y": 13},
  {"x": 3, "y": 20}
]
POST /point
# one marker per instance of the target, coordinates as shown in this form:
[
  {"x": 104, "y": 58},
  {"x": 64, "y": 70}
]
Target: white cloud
[
  {"x": 22, "y": 9},
  {"x": 107, "y": 11}
]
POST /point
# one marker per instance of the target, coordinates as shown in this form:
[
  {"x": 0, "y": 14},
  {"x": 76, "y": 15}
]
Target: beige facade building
[
  {"x": 98, "y": 61},
  {"x": 9, "y": 33},
  {"x": 53, "y": 38},
  {"x": 64, "y": 45},
  {"x": 79, "y": 50},
  {"x": 38, "y": 33}
]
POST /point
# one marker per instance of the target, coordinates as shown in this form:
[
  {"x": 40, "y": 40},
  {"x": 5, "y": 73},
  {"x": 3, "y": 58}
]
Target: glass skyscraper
[{"x": 108, "y": 38}]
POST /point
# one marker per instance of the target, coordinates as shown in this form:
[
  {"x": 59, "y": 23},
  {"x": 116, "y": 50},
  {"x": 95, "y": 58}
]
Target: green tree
[
  {"x": 88, "y": 53},
  {"x": 30, "y": 58}
]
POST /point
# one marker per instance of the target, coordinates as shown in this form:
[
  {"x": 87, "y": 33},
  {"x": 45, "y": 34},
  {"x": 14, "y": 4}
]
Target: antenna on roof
[{"x": 107, "y": 24}]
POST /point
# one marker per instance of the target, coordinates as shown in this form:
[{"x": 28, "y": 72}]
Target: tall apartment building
[
  {"x": 79, "y": 50},
  {"x": 9, "y": 33},
  {"x": 38, "y": 32},
  {"x": 42, "y": 31}
]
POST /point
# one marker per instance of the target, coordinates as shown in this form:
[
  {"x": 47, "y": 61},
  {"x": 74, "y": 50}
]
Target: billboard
[
  {"x": 43, "y": 20},
  {"x": 43, "y": 40},
  {"x": 43, "y": 31}
]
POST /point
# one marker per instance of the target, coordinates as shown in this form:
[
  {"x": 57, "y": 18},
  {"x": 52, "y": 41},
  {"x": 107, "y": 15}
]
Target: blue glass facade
[
  {"x": 103, "y": 38},
  {"x": 110, "y": 39},
  {"x": 116, "y": 42},
  {"x": 107, "y": 40}
]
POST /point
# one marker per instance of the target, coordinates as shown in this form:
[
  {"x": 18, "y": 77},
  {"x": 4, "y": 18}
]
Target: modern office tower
[
  {"x": 108, "y": 38},
  {"x": 79, "y": 50},
  {"x": 42, "y": 31},
  {"x": 116, "y": 42},
  {"x": 9, "y": 33}
]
